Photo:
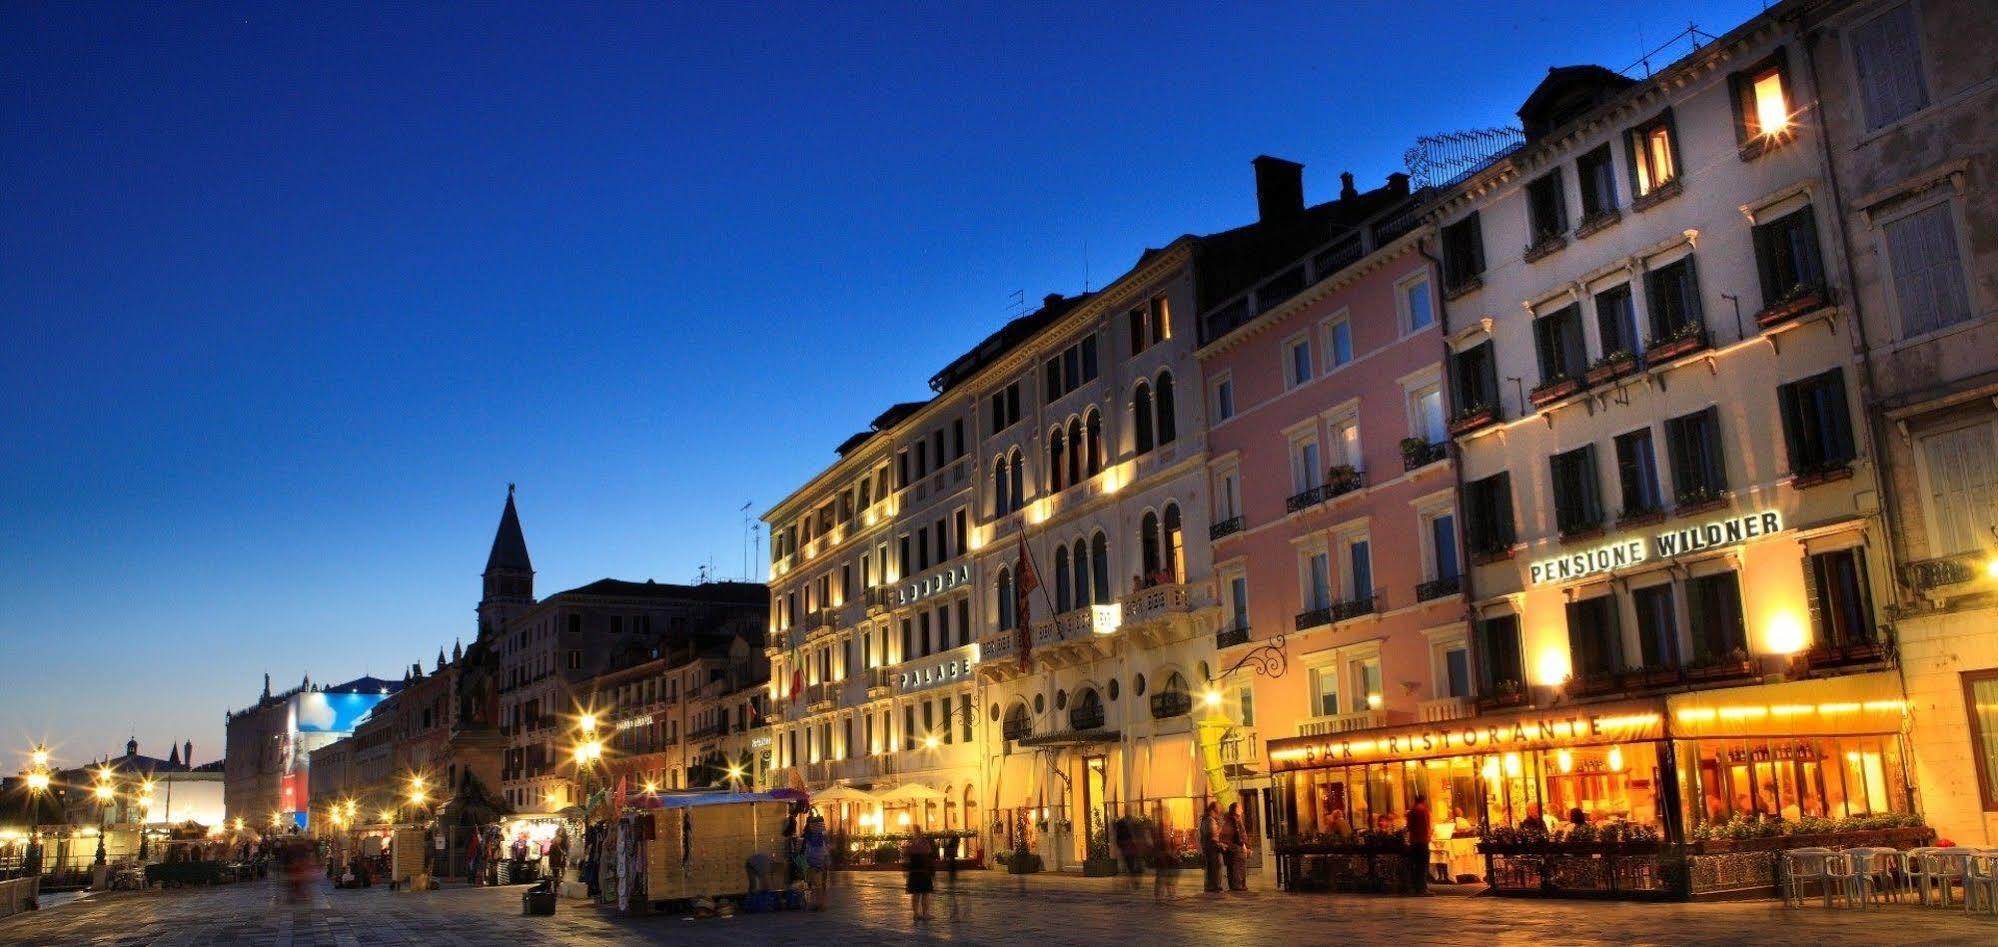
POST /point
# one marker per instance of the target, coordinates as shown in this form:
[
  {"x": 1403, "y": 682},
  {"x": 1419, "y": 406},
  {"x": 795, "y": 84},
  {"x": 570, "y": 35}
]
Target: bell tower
[{"x": 509, "y": 575}]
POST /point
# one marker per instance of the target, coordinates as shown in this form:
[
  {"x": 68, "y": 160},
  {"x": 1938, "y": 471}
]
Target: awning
[
  {"x": 1071, "y": 738},
  {"x": 1628, "y": 721},
  {"x": 910, "y": 792},
  {"x": 842, "y": 793},
  {"x": 1852, "y": 705}
]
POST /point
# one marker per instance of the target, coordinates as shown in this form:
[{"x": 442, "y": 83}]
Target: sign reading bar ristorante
[
  {"x": 1602, "y": 724},
  {"x": 1676, "y": 542}
]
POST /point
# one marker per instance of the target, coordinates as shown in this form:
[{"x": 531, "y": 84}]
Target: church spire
[
  {"x": 509, "y": 546},
  {"x": 509, "y": 575}
]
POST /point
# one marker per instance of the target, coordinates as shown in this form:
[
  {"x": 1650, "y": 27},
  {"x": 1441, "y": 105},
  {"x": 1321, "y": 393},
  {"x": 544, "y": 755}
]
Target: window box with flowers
[
  {"x": 1699, "y": 500},
  {"x": 1418, "y": 452},
  {"x": 1343, "y": 479},
  {"x": 1554, "y": 389},
  {"x": 1611, "y": 366},
  {"x": 1544, "y": 245},
  {"x": 1688, "y": 338},
  {"x": 1503, "y": 694},
  {"x": 1472, "y": 418},
  {"x": 1802, "y": 299}
]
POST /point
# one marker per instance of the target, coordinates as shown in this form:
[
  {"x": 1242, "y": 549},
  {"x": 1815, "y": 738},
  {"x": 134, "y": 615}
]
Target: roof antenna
[
  {"x": 1085, "y": 266},
  {"x": 745, "y": 540},
  {"x": 1016, "y": 302}
]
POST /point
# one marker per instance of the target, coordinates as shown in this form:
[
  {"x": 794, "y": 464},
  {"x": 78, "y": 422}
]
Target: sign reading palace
[{"x": 1676, "y": 542}]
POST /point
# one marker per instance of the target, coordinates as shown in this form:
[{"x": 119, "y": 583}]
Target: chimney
[
  {"x": 1279, "y": 188},
  {"x": 188, "y": 756},
  {"x": 1050, "y": 299},
  {"x": 1398, "y": 183},
  {"x": 1346, "y": 189}
]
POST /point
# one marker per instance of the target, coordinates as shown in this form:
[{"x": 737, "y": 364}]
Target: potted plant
[
  {"x": 1098, "y": 862},
  {"x": 1472, "y": 417},
  {"x": 1023, "y": 863},
  {"x": 1611, "y": 366},
  {"x": 1801, "y": 298},
  {"x": 1690, "y": 336},
  {"x": 1546, "y": 240},
  {"x": 1342, "y": 479},
  {"x": 1419, "y": 452},
  {"x": 1699, "y": 499},
  {"x": 1554, "y": 389}
]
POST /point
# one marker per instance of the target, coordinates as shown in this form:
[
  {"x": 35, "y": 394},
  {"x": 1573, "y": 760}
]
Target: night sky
[{"x": 291, "y": 292}]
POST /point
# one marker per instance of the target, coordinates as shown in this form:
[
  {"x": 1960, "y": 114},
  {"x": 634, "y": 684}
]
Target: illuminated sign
[
  {"x": 1607, "y": 725},
  {"x": 932, "y": 584},
  {"x": 629, "y": 723},
  {"x": 1665, "y": 545},
  {"x": 946, "y": 668},
  {"x": 320, "y": 712}
]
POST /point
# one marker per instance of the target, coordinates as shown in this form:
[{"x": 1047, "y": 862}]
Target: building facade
[
  {"x": 1910, "y": 113},
  {"x": 267, "y": 769}
]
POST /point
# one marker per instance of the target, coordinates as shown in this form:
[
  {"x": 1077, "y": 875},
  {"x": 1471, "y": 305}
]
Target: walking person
[
  {"x": 475, "y": 858},
  {"x": 1210, "y": 844},
  {"x": 558, "y": 853},
  {"x": 1165, "y": 864},
  {"x": 1235, "y": 848},
  {"x": 919, "y": 856},
  {"x": 951, "y": 847},
  {"x": 1125, "y": 832},
  {"x": 818, "y": 860},
  {"x": 1418, "y": 846}
]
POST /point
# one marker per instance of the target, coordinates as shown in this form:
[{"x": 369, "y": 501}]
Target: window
[
  {"x": 1595, "y": 172},
  {"x": 1366, "y": 692},
  {"x": 1426, "y": 414},
  {"x": 1238, "y": 602},
  {"x": 1002, "y": 588},
  {"x": 1224, "y": 398},
  {"x": 1500, "y": 669},
  {"x": 1168, "y": 425},
  {"x": 1227, "y": 494},
  {"x": 1928, "y": 272},
  {"x": 1595, "y": 643},
  {"x": 1318, "y": 581},
  {"x": 1141, "y": 336},
  {"x": 1061, "y": 574},
  {"x": 1141, "y": 417},
  {"x": 1980, "y": 701},
  {"x": 1694, "y": 444},
  {"x": 1325, "y": 690},
  {"x": 1002, "y": 488},
  {"x": 1488, "y": 515},
  {"x": 1005, "y": 407},
  {"x": 1637, "y": 473},
  {"x": 1657, "y": 625},
  {"x": 1558, "y": 340},
  {"x": 1577, "y": 495},
  {"x": 1092, "y": 426},
  {"x": 1654, "y": 160},
  {"x": 1297, "y": 368},
  {"x": 1346, "y": 443},
  {"x": 1463, "y": 254},
  {"x": 1416, "y": 312},
  {"x": 1070, "y": 368},
  {"x": 1546, "y": 208},
  {"x": 1456, "y": 679},
  {"x": 1148, "y": 545},
  {"x": 963, "y": 531},
  {"x": 1089, "y": 361},
  {"x": 1786, "y": 256},
  {"x": 1761, "y": 105},
  {"x": 1161, "y": 319},
  {"x": 1841, "y": 609},
  {"x": 1959, "y": 476},
  {"x": 1019, "y": 478},
  {"x": 1175, "y": 545},
  {"x": 1443, "y": 546},
  {"x": 1306, "y": 467},
  {"x": 1339, "y": 336},
  {"x": 1475, "y": 373},
  {"x": 1616, "y": 320},
  {"x": 1359, "y": 570},
  {"x": 1887, "y": 60},
  {"x": 1099, "y": 567},
  {"x": 1673, "y": 294},
  {"x": 1713, "y": 603},
  {"x": 1816, "y": 427}
]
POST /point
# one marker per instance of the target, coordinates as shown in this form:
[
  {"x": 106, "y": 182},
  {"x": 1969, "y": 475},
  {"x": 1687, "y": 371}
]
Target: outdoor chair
[
  {"x": 1873, "y": 871},
  {"x": 1799, "y": 865},
  {"x": 1842, "y": 876},
  {"x": 1915, "y": 872},
  {"x": 1947, "y": 867},
  {"x": 1980, "y": 882}
]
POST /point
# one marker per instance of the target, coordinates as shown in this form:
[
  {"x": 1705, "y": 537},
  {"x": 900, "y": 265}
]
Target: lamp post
[
  {"x": 105, "y": 797},
  {"x": 38, "y": 785}
]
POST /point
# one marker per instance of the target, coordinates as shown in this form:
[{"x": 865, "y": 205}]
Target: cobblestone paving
[{"x": 987, "y": 909}]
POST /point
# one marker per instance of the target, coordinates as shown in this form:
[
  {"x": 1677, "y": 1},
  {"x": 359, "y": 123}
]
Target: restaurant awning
[
  {"x": 1835, "y": 706},
  {"x": 1071, "y": 738}
]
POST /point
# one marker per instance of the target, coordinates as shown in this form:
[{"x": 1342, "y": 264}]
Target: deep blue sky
[{"x": 290, "y": 293}]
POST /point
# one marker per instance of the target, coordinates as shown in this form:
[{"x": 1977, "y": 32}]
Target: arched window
[
  {"x": 1003, "y": 587},
  {"x": 1062, "y": 603},
  {"x": 1002, "y": 488},
  {"x": 1056, "y": 448},
  {"x": 1019, "y": 480},
  {"x": 1099, "y": 564},
  {"x": 1087, "y": 711},
  {"x": 1094, "y": 438},
  {"x": 1168, "y": 425},
  {"x": 1075, "y": 450},
  {"x": 1174, "y": 545},
  {"x": 1081, "y": 565},
  {"x": 1148, "y": 539},
  {"x": 1018, "y": 723},
  {"x": 1141, "y": 416}
]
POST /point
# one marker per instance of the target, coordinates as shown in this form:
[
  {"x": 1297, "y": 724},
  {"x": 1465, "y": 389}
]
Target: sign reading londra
[
  {"x": 1665, "y": 545},
  {"x": 932, "y": 584},
  {"x": 1567, "y": 727}
]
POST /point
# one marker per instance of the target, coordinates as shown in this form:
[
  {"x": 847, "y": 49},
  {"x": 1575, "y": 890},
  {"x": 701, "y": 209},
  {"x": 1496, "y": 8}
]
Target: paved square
[{"x": 986, "y": 909}]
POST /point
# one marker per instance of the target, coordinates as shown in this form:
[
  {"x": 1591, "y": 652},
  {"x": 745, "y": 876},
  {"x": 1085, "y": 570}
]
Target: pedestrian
[
  {"x": 818, "y": 860},
  {"x": 1418, "y": 846},
  {"x": 1165, "y": 864},
  {"x": 1210, "y": 844},
  {"x": 517, "y": 864},
  {"x": 475, "y": 858},
  {"x": 558, "y": 853},
  {"x": 1125, "y": 831},
  {"x": 919, "y": 857},
  {"x": 1235, "y": 848},
  {"x": 952, "y": 845}
]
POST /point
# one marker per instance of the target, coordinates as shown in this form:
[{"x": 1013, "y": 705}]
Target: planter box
[
  {"x": 1464, "y": 424},
  {"x": 1810, "y": 301},
  {"x": 1553, "y": 391},
  {"x": 1664, "y": 352},
  {"x": 1610, "y": 371},
  {"x": 1025, "y": 863}
]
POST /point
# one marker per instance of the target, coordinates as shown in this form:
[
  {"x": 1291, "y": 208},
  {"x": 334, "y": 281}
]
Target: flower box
[
  {"x": 1544, "y": 247},
  {"x": 1822, "y": 475},
  {"x": 1685, "y": 343},
  {"x": 1610, "y": 368},
  {"x": 1554, "y": 391},
  {"x": 1797, "y": 302},
  {"x": 1472, "y": 418},
  {"x": 1597, "y": 222}
]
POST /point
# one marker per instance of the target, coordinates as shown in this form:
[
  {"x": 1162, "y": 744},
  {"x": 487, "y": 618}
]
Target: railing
[
  {"x": 1596, "y": 683},
  {"x": 1312, "y": 618},
  {"x": 1416, "y": 456},
  {"x": 1230, "y": 637},
  {"x": 1846, "y": 654},
  {"x": 1343, "y": 480},
  {"x": 1227, "y": 527},
  {"x": 882, "y": 598},
  {"x": 1086, "y": 717},
  {"x": 1926, "y": 574},
  {"x": 1444, "y": 708},
  {"x": 1017, "y": 729},
  {"x": 1342, "y": 723},
  {"x": 1437, "y": 588},
  {"x": 1307, "y": 498},
  {"x": 820, "y": 618},
  {"x": 1354, "y": 608},
  {"x": 879, "y": 679},
  {"x": 1003, "y": 643},
  {"x": 1169, "y": 704},
  {"x": 824, "y": 692},
  {"x": 1156, "y": 602}
]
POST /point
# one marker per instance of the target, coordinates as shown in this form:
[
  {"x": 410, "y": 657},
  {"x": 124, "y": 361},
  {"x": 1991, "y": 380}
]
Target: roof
[
  {"x": 1231, "y": 261},
  {"x": 896, "y": 413},
  {"x": 746, "y": 593},
  {"x": 1567, "y": 93},
  {"x": 995, "y": 346},
  {"x": 847, "y": 446},
  {"x": 509, "y": 546}
]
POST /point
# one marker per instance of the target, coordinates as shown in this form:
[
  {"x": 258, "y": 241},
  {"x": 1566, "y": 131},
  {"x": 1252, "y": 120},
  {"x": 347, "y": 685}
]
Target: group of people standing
[{"x": 1224, "y": 851}]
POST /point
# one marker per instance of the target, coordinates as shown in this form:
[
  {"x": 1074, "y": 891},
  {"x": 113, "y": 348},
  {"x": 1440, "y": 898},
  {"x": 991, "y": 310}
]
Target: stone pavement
[{"x": 988, "y": 909}]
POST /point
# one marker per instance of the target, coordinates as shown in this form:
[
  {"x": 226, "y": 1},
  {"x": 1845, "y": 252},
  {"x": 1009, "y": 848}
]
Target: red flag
[
  {"x": 1024, "y": 584},
  {"x": 797, "y": 685}
]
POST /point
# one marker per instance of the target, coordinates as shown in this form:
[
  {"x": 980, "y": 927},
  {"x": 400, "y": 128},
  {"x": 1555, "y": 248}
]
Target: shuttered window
[
  {"x": 1928, "y": 273},
  {"x": 1962, "y": 488},
  {"x": 1888, "y": 60}
]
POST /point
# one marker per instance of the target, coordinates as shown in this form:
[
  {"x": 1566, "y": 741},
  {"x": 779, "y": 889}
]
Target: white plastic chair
[
  {"x": 1873, "y": 874},
  {"x": 1842, "y": 874},
  {"x": 1947, "y": 867},
  {"x": 1915, "y": 872},
  {"x": 1980, "y": 882},
  {"x": 1799, "y": 865}
]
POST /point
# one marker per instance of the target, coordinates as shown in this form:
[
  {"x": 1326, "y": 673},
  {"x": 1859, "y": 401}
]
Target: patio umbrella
[
  {"x": 911, "y": 792},
  {"x": 843, "y": 794}
]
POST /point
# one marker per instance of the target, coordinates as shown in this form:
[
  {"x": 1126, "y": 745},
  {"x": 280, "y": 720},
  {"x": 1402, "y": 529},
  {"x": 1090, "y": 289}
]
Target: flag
[
  {"x": 797, "y": 685},
  {"x": 1024, "y": 583}
]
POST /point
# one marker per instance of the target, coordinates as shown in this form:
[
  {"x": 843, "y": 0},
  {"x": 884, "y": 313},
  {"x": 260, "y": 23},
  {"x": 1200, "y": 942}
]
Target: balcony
[
  {"x": 880, "y": 683},
  {"x": 706, "y": 731},
  {"x": 1156, "y": 603},
  {"x": 819, "y": 621},
  {"x": 1631, "y": 680},
  {"x": 1086, "y": 717},
  {"x": 1306, "y": 499},
  {"x": 1332, "y": 724},
  {"x": 1230, "y": 637},
  {"x": 1169, "y": 704},
  {"x": 822, "y": 696},
  {"x": 1445, "y": 708},
  {"x": 882, "y": 598},
  {"x": 1004, "y": 643},
  {"x": 1354, "y": 608},
  {"x": 1017, "y": 729},
  {"x": 1417, "y": 453},
  {"x": 1942, "y": 572},
  {"x": 1227, "y": 527},
  {"x": 1863, "y": 652},
  {"x": 1313, "y": 617},
  {"x": 1438, "y": 588}
]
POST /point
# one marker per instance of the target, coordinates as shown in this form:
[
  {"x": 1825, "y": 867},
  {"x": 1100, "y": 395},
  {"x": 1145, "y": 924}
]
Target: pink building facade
[{"x": 1335, "y": 501}]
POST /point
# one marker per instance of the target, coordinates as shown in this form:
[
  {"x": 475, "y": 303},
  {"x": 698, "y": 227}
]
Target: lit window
[
  {"x": 1772, "y": 111},
  {"x": 1651, "y": 155}
]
